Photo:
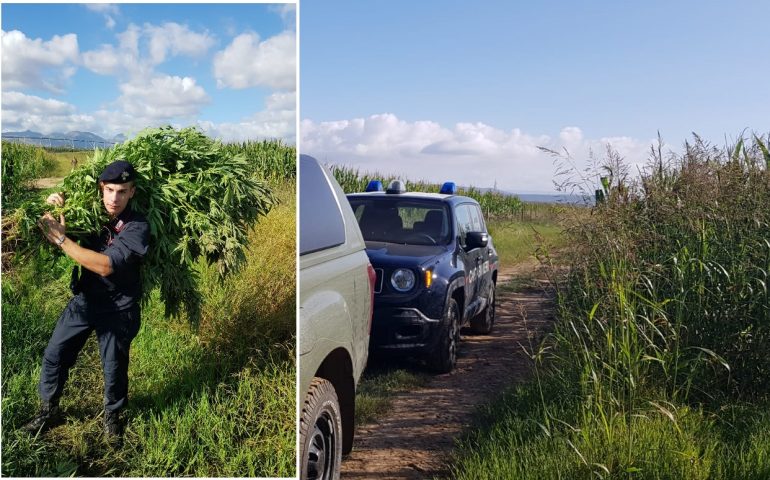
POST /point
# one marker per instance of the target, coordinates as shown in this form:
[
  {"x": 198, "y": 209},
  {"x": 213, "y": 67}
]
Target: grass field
[
  {"x": 64, "y": 162},
  {"x": 213, "y": 400},
  {"x": 657, "y": 367}
]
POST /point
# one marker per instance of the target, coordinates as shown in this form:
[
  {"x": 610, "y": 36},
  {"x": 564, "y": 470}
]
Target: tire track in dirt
[{"x": 415, "y": 438}]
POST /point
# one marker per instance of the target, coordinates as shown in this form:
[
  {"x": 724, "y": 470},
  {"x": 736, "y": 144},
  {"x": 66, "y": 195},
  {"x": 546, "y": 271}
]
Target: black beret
[{"x": 119, "y": 171}]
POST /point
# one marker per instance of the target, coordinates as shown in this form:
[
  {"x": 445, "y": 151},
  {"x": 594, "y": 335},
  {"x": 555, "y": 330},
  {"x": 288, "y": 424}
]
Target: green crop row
[
  {"x": 273, "y": 160},
  {"x": 493, "y": 203}
]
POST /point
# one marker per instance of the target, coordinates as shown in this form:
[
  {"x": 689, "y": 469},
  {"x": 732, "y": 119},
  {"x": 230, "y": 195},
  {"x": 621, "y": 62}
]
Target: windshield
[{"x": 407, "y": 221}]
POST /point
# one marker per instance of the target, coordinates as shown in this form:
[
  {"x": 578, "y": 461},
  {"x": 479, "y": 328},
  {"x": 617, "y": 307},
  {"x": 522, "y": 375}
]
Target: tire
[
  {"x": 320, "y": 433},
  {"x": 444, "y": 358},
  {"x": 483, "y": 322}
]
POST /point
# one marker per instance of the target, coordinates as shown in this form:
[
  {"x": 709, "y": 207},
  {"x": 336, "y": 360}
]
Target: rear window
[
  {"x": 320, "y": 217},
  {"x": 400, "y": 220}
]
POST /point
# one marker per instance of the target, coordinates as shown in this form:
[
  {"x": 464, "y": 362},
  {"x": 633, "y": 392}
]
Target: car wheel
[
  {"x": 321, "y": 433},
  {"x": 444, "y": 358},
  {"x": 485, "y": 320}
]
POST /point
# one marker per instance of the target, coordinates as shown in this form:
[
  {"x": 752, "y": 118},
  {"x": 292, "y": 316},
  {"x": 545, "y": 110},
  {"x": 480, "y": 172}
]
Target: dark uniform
[{"x": 107, "y": 305}]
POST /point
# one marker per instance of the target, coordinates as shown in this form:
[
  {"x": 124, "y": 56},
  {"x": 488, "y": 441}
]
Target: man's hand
[
  {"x": 54, "y": 231},
  {"x": 55, "y": 199}
]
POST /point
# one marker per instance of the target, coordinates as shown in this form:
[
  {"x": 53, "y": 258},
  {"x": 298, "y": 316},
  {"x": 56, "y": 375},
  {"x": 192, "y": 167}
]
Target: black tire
[
  {"x": 483, "y": 322},
  {"x": 444, "y": 358},
  {"x": 320, "y": 433}
]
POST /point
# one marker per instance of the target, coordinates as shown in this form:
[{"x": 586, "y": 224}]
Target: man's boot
[
  {"x": 113, "y": 427},
  {"x": 47, "y": 417}
]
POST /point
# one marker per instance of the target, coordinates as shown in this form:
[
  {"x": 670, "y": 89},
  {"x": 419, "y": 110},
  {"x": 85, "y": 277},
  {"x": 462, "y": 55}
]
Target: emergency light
[
  {"x": 374, "y": 186},
  {"x": 448, "y": 188}
]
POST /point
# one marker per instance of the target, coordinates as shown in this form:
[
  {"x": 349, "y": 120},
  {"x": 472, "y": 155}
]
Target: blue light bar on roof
[
  {"x": 448, "y": 188},
  {"x": 374, "y": 186}
]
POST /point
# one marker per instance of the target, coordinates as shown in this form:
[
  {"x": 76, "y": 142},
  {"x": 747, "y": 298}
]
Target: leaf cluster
[{"x": 200, "y": 201}]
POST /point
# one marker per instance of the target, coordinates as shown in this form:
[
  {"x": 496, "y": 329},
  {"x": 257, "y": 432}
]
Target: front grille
[{"x": 380, "y": 275}]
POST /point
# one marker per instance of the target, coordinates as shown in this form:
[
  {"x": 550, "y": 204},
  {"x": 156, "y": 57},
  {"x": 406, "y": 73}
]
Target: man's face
[{"x": 116, "y": 196}]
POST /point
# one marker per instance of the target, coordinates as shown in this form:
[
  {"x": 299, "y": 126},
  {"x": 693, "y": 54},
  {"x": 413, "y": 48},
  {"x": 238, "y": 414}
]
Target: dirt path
[
  {"x": 414, "y": 440},
  {"x": 47, "y": 182}
]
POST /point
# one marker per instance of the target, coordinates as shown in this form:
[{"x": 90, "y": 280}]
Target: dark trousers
[{"x": 114, "y": 331}]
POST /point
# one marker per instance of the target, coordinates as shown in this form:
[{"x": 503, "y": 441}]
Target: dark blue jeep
[{"x": 436, "y": 269}]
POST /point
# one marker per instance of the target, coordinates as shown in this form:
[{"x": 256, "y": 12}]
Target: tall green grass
[
  {"x": 21, "y": 165},
  {"x": 213, "y": 400},
  {"x": 493, "y": 203},
  {"x": 658, "y": 365},
  {"x": 64, "y": 161}
]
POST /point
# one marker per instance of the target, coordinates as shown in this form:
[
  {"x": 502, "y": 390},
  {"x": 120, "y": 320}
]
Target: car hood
[{"x": 397, "y": 254}]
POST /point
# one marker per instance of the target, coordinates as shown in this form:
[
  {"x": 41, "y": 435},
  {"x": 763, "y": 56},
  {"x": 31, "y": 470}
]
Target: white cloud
[
  {"x": 35, "y": 63},
  {"x": 106, "y": 60},
  {"x": 571, "y": 135},
  {"x": 128, "y": 58},
  {"x": 35, "y": 105},
  {"x": 177, "y": 40},
  {"x": 29, "y": 112},
  {"x": 278, "y": 120},
  {"x": 45, "y": 115},
  {"x": 163, "y": 97},
  {"x": 288, "y": 13},
  {"x": 147, "y": 97},
  {"x": 469, "y": 153},
  {"x": 108, "y": 10},
  {"x": 247, "y": 62}
]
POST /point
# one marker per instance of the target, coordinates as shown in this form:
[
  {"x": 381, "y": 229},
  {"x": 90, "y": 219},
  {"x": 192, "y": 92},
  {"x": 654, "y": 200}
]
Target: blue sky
[
  {"x": 469, "y": 90},
  {"x": 118, "y": 68}
]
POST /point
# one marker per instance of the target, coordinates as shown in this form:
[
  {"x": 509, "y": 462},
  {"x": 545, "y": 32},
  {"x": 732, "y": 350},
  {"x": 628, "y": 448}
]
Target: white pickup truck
[{"x": 336, "y": 303}]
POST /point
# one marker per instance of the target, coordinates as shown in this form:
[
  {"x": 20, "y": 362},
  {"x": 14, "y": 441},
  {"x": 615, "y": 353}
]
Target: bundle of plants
[{"x": 200, "y": 202}]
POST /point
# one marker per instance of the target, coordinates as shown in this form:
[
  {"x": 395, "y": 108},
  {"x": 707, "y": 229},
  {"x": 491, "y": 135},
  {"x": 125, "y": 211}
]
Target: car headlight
[{"x": 402, "y": 279}]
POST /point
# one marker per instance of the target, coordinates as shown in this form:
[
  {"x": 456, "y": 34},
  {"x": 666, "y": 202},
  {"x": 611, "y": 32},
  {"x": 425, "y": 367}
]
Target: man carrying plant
[{"x": 107, "y": 288}]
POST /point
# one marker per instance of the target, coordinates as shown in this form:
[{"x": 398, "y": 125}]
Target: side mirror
[{"x": 476, "y": 240}]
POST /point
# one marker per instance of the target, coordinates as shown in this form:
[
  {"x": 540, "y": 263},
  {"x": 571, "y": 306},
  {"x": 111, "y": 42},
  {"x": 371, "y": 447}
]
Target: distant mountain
[
  {"x": 85, "y": 140},
  {"x": 24, "y": 134}
]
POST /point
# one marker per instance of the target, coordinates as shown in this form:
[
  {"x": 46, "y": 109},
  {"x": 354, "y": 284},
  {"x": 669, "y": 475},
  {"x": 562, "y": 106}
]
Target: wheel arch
[{"x": 337, "y": 368}]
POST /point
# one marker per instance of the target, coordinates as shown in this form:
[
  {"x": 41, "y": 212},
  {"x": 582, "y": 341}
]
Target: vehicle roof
[{"x": 452, "y": 199}]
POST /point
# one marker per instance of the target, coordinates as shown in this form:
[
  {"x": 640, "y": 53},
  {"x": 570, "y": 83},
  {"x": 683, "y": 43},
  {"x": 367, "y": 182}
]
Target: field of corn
[
  {"x": 494, "y": 204},
  {"x": 658, "y": 365},
  {"x": 212, "y": 398}
]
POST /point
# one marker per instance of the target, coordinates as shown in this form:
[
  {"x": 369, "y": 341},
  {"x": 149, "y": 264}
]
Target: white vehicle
[{"x": 336, "y": 304}]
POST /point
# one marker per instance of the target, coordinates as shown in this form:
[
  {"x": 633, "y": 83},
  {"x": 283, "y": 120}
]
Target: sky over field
[
  {"x": 469, "y": 91},
  {"x": 117, "y": 68}
]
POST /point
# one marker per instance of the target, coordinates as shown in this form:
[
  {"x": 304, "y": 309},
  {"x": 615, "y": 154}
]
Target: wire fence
[{"x": 51, "y": 142}]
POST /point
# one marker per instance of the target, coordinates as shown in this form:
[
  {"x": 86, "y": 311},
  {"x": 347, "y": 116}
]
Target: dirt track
[
  {"x": 47, "y": 182},
  {"x": 414, "y": 440}
]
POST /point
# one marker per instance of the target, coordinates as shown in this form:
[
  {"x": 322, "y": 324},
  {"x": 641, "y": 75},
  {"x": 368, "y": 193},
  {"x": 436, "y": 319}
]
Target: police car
[{"x": 436, "y": 269}]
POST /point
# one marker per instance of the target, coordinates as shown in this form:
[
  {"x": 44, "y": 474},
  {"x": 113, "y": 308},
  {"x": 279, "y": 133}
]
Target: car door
[
  {"x": 483, "y": 275},
  {"x": 470, "y": 258}
]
